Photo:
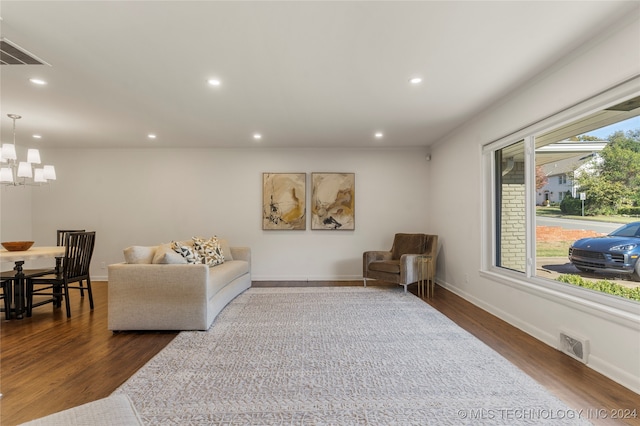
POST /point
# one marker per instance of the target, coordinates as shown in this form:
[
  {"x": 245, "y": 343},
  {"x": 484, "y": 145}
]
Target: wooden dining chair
[
  {"x": 61, "y": 235},
  {"x": 6, "y": 297},
  {"x": 75, "y": 269}
]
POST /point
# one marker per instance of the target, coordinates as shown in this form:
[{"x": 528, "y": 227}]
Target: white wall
[
  {"x": 15, "y": 213},
  {"x": 615, "y": 341},
  {"x": 145, "y": 197}
]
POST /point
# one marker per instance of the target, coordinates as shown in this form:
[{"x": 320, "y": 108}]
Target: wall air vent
[
  {"x": 12, "y": 54},
  {"x": 574, "y": 346}
]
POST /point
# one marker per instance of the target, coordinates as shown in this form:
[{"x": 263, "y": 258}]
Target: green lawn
[{"x": 553, "y": 248}]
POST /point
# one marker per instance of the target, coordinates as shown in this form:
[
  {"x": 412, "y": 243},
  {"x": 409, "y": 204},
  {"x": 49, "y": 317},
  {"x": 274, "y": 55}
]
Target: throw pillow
[
  {"x": 187, "y": 252},
  {"x": 139, "y": 254},
  {"x": 166, "y": 255},
  {"x": 226, "y": 250},
  {"x": 208, "y": 250}
]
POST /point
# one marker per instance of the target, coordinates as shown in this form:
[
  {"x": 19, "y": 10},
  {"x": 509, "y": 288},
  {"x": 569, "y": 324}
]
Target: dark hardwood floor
[{"x": 49, "y": 363}]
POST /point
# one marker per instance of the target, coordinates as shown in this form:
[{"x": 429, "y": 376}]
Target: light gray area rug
[{"x": 336, "y": 356}]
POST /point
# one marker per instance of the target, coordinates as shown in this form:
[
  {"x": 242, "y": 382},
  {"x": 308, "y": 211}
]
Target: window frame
[{"x": 613, "y": 307}]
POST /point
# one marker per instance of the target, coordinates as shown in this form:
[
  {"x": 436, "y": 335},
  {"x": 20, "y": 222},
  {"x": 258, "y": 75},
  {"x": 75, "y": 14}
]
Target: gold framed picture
[
  {"x": 284, "y": 201},
  {"x": 333, "y": 201}
]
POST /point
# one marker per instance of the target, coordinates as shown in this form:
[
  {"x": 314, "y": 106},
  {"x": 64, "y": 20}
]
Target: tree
[
  {"x": 614, "y": 180},
  {"x": 541, "y": 178},
  {"x": 584, "y": 138},
  {"x": 622, "y": 159}
]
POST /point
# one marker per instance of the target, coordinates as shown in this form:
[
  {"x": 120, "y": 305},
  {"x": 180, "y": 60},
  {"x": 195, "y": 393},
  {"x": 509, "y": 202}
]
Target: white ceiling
[{"x": 304, "y": 74}]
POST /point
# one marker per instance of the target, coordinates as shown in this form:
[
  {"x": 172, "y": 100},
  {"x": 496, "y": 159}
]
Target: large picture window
[{"x": 565, "y": 201}]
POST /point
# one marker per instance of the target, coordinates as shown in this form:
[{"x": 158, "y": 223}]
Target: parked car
[{"x": 615, "y": 253}]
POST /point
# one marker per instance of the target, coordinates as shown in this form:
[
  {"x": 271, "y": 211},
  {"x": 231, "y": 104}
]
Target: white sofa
[{"x": 154, "y": 290}]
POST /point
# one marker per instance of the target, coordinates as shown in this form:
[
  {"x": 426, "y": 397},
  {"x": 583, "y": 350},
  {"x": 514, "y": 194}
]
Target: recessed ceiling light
[
  {"x": 38, "y": 81},
  {"x": 151, "y": 136},
  {"x": 37, "y": 136},
  {"x": 257, "y": 136},
  {"x": 415, "y": 80},
  {"x": 214, "y": 82},
  {"x": 378, "y": 135}
]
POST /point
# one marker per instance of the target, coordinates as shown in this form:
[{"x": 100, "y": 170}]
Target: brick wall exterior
[{"x": 513, "y": 238}]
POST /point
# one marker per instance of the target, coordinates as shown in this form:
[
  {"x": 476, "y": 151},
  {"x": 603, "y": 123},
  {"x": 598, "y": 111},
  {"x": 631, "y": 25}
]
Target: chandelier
[{"x": 14, "y": 172}]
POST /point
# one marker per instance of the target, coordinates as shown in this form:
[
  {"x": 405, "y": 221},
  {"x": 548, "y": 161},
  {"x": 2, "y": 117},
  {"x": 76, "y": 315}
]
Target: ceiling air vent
[{"x": 12, "y": 54}]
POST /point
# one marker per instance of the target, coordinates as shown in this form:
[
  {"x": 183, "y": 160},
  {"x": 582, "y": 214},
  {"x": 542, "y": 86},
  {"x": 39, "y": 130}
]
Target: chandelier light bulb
[
  {"x": 33, "y": 156},
  {"x": 24, "y": 170},
  {"x": 9, "y": 151},
  {"x": 39, "y": 176},
  {"x": 6, "y": 175},
  {"x": 49, "y": 172}
]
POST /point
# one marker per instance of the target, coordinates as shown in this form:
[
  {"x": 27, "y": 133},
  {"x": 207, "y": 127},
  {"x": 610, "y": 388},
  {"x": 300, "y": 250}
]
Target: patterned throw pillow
[
  {"x": 187, "y": 252},
  {"x": 208, "y": 250},
  {"x": 166, "y": 255}
]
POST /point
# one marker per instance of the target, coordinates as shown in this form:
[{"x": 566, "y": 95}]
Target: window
[
  {"x": 529, "y": 239},
  {"x": 562, "y": 179},
  {"x": 510, "y": 209}
]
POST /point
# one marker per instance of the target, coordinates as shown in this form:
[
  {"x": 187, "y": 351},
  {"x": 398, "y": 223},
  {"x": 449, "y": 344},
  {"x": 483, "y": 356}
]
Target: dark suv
[{"x": 616, "y": 253}]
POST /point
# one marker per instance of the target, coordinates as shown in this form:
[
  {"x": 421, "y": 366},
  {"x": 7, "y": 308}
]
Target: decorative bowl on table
[{"x": 17, "y": 245}]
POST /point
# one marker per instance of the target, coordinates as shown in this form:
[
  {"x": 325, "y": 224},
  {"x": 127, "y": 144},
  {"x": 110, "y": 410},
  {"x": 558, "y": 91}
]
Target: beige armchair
[{"x": 399, "y": 265}]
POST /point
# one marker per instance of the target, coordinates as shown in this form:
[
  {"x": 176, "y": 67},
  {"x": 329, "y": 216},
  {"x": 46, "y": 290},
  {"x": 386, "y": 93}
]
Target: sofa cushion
[
  {"x": 389, "y": 266},
  {"x": 222, "y": 275},
  {"x": 139, "y": 254},
  {"x": 209, "y": 250},
  {"x": 166, "y": 255},
  {"x": 189, "y": 253}
]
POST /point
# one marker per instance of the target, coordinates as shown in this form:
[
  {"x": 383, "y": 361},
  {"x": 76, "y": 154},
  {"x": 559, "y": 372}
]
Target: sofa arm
[
  {"x": 241, "y": 253},
  {"x": 409, "y": 269},
  {"x": 373, "y": 256},
  {"x": 158, "y": 297}
]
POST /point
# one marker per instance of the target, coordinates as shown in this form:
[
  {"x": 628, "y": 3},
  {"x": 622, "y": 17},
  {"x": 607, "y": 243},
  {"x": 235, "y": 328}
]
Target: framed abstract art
[
  {"x": 284, "y": 201},
  {"x": 333, "y": 201}
]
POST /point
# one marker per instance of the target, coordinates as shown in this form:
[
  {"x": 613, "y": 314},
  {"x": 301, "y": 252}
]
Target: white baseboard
[{"x": 595, "y": 363}]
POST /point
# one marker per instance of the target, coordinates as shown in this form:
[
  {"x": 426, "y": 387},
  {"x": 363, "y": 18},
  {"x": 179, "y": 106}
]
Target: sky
[{"x": 604, "y": 132}]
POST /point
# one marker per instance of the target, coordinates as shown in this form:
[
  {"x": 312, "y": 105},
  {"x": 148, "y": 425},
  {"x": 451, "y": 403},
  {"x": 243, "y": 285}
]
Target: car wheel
[{"x": 636, "y": 275}]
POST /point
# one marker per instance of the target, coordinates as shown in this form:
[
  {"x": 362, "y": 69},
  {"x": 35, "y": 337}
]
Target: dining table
[{"x": 19, "y": 257}]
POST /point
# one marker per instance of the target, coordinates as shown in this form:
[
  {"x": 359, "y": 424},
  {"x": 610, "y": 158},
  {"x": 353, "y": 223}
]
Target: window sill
[{"x": 612, "y": 308}]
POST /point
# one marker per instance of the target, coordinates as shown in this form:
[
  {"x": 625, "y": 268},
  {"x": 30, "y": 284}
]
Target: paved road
[{"x": 602, "y": 227}]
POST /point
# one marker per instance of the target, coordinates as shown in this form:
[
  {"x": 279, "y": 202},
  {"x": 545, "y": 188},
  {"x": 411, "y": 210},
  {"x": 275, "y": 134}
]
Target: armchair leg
[
  {"x": 405, "y": 287},
  {"x": 364, "y": 279}
]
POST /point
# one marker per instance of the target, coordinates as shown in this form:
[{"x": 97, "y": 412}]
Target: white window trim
[{"x": 613, "y": 308}]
